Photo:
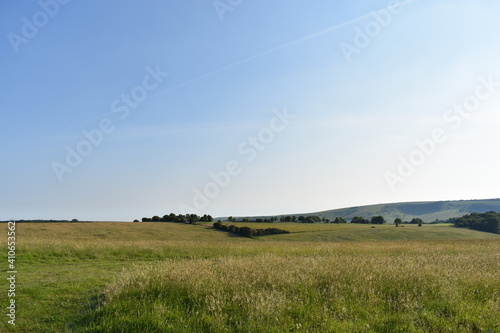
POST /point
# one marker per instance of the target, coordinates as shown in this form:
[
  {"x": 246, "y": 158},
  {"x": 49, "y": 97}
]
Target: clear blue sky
[{"x": 361, "y": 92}]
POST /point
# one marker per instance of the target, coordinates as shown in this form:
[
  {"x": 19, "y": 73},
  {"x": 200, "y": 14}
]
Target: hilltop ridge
[{"x": 428, "y": 211}]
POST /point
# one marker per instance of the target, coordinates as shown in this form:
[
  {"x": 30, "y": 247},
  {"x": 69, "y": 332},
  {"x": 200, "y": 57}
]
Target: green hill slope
[{"x": 428, "y": 211}]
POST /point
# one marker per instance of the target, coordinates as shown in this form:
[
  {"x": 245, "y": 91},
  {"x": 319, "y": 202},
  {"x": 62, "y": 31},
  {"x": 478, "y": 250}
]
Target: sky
[{"x": 116, "y": 110}]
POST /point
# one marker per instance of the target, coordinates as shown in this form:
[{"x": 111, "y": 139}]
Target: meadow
[{"x": 167, "y": 277}]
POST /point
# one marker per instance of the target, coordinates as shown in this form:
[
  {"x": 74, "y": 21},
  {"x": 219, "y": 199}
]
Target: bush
[
  {"x": 416, "y": 221},
  {"x": 358, "y": 219},
  {"x": 247, "y": 231},
  {"x": 377, "y": 220}
]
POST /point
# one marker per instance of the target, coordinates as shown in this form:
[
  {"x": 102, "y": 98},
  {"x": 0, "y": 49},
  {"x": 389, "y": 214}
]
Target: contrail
[
  {"x": 281, "y": 47},
  {"x": 262, "y": 54}
]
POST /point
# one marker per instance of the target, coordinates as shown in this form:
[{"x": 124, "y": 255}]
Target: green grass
[
  {"x": 387, "y": 232},
  {"x": 363, "y": 232},
  {"x": 164, "y": 277},
  {"x": 428, "y": 211},
  {"x": 363, "y": 288}
]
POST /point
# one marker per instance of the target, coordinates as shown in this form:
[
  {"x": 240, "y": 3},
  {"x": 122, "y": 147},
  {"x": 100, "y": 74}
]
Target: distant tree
[
  {"x": 339, "y": 220},
  {"x": 356, "y": 219},
  {"x": 206, "y": 218},
  {"x": 377, "y": 220},
  {"x": 491, "y": 224},
  {"x": 181, "y": 218},
  {"x": 169, "y": 218},
  {"x": 155, "y": 219},
  {"x": 193, "y": 218},
  {"x": 74, "y": 220},
  {"x": 416, "y": 221},
  {"x": 397, "y": 222},
  {"x": 489, "y": 221},
  {"x": 312, "y": 219},
  {"x": 231, "y": 219},
  {"x": 361, "y": 220},
  {"x": 136, "y": 220},
  {"x": 146, "y": 219}
]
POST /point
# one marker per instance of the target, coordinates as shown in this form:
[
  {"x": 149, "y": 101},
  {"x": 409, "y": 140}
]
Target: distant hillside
[{"x": 427, "y": 211}]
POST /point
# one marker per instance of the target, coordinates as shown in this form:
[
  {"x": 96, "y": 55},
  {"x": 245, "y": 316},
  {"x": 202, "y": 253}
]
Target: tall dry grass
[{"x": 418, "y": 286}]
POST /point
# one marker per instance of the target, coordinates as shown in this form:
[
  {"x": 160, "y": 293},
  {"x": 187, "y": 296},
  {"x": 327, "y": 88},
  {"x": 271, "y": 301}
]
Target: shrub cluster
[
  {"x": 374, "y": 220},
  {"x": 489, "y": 221},
  {"x": 247, "y": 231},
  {"x": 188, "y": 218}
]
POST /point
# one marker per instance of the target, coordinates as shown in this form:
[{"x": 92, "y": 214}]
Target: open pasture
[{"x": 165, "y": 277}]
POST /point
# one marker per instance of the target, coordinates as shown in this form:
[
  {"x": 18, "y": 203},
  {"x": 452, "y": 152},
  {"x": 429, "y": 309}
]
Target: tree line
[
  {"x": 188, "y": 218},
  {"x": 44, "y": 221},
  {"x": 193, "y": 218},
  {"x": 318, "y": 219},
  {"x": 489, "y": 221},
  {"x": 247, "y": 231},
  {"x": 289, "y": 218},
  {"x": 381, "y": 220},
  {"x": 373, "y": 220}
]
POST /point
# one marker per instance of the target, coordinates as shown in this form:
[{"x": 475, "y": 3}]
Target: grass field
[{"x": 165, "y": 277}]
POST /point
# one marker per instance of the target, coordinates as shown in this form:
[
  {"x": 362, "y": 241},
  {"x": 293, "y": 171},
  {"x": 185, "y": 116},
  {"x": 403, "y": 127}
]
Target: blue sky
[{"x": 357, "y": 119}]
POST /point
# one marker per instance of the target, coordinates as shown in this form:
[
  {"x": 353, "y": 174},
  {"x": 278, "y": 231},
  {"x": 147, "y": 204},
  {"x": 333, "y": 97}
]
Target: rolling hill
[{"x": 428, "y": 211}]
